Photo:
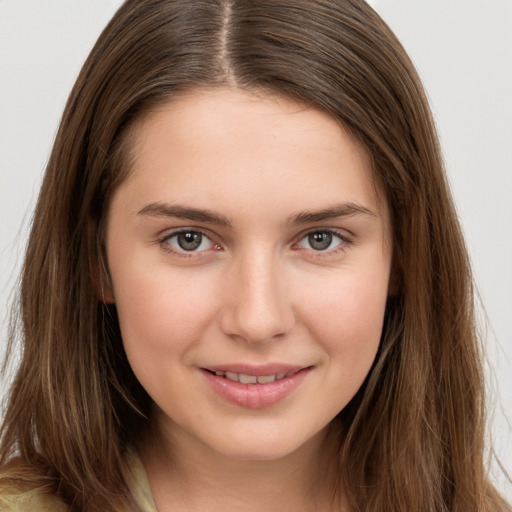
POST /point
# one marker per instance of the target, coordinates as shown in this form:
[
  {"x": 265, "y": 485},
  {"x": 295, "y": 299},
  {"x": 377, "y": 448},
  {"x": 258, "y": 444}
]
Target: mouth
[
  {"x": 255, "y": 387},
  {"x": 245, "y": 378}
]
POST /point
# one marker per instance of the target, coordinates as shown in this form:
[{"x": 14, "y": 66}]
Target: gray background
[{"x": 463, "y": 50}]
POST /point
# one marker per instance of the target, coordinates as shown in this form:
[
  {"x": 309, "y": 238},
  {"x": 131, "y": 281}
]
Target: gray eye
[
  {"x": 189, "y": 240},
  {"x": 320, "y": 240}
]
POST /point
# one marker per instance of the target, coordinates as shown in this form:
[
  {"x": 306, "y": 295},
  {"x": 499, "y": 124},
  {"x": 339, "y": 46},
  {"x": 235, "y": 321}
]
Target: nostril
[{"x": 258, "y": 310}]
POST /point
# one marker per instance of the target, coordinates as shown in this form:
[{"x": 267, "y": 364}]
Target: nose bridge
[{"x": 259, "y": 307}]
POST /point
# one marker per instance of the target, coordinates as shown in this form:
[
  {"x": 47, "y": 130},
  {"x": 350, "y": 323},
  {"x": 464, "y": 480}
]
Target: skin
[{"x": 256, "y": 291}]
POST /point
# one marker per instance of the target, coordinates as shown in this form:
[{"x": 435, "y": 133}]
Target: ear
[
  {"x": 105, "y": 288},
  {"x": 99, "y": 270},
  {"x": 101, "y": 280},
  {"x": 395, "y": 281}
]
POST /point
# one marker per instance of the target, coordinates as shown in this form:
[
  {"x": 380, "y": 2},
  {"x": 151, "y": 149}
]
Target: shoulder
[
  {"x": 16, "y": 498},
  {"x": 139, "y": 484},
  {"x": 18, "y": 493},
  {"x": 22, "y": 491}
]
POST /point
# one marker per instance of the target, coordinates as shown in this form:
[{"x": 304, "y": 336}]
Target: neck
[{"x": 187, "y": 475}]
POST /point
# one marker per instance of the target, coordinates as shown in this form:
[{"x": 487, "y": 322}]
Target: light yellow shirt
[
  {"x": 17, "y": 499},
  {"x": 140, "y": 488}
]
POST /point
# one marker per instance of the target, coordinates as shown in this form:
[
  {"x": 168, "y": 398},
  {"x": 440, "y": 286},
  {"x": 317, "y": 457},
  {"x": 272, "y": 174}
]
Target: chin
[
  {"x": 264, "y": 444},
  {"x": 256, "y": 452}
]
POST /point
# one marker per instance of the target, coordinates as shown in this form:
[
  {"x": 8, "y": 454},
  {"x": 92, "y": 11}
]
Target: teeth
[
  {"x": 252, "y": 379},
  {"x": 247, "y": 379},
  {"x": 232, "y": 376},
  {"x": 266, "y": 379}
]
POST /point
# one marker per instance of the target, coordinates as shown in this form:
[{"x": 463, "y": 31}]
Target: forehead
[{"x": 221, "y": 144}]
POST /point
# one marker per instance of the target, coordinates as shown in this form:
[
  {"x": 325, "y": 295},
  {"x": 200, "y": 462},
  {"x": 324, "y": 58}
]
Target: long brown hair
[{"x": 413, "y": 436}]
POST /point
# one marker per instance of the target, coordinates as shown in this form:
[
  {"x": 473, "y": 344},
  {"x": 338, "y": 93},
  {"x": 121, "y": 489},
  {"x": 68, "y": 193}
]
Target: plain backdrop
[{"x": 463, "y": 51}]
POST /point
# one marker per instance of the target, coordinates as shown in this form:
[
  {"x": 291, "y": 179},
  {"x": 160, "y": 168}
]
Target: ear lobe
[
  {"x": 395, "y": 282},
  {"x": 101, "y": 282},
  {"x": 100, "y": 275},
  {"x": 107, "y": 295}
]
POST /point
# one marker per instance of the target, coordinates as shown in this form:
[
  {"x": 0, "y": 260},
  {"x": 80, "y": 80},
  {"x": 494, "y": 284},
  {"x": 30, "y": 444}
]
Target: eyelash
[
  {"x": 164, "y": 242},
  {"x": 344, "y": 242}
]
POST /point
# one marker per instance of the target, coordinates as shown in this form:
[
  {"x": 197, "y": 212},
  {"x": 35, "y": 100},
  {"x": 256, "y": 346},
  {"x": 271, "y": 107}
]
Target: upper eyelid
[
  {"x": 345, "y": 243},
  {"x": 163, "y": 243},
  {"x": 169, "y": 233},
  {"x": 343, "y": 234}
]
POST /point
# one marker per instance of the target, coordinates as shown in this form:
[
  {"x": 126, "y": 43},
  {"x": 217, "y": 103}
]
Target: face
[{"x": 250, "y": 255}]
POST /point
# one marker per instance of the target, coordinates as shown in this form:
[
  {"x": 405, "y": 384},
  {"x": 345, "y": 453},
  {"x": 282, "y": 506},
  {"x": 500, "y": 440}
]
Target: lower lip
[{"x": 255, "y": 396}]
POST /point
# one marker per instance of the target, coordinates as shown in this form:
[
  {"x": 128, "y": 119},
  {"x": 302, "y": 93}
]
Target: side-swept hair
[{"x": 413, "y": 436}]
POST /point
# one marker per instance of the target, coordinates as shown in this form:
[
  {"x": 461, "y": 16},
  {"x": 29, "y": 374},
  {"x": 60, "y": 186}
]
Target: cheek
[
  {"x": 346, "y": 318},
  {"x": 159, "y": 312},
  {"x": 162, "y": 320}
]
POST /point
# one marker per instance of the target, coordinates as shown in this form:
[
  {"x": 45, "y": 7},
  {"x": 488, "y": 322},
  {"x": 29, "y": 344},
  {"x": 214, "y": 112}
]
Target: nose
[{"x": 257, "y": 306}]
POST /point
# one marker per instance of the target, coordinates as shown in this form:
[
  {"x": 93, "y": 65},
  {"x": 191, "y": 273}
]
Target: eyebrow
[
  {"x": 159, "y": 209},
  {"x": 183, "y": 212},
  {"x": 332, "y": 212}
]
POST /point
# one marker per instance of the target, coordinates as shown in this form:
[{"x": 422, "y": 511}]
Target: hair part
[{"x": 413, "y": 436}]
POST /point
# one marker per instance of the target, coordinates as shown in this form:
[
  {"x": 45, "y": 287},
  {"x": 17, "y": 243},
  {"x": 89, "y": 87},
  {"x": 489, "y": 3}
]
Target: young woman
[{"x": 245, "y": 286}]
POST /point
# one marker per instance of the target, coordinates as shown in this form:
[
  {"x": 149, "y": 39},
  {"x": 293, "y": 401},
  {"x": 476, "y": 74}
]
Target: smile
[
  {"x": 253, "y": 379},
  {"x": 253, "y": 388}
]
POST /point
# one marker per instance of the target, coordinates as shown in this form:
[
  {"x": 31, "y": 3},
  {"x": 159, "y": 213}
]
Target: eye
[
  {"x": 323, "y": 240},
  {"x": 188, "y": 240}
]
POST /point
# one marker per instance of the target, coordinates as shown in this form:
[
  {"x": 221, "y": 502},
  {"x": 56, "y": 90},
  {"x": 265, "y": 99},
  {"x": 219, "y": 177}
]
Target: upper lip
[{"x": 256, "y": 370}]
